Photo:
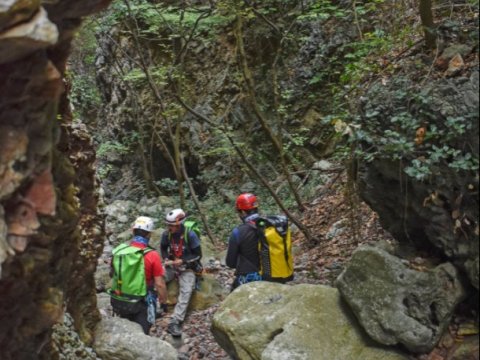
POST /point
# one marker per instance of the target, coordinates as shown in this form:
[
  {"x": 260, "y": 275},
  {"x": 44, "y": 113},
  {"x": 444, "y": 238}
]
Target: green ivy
[
  {"x": 322, "y": 10},
  {"x": 104, "y": 171},
  {"x": 112, "y": 146},
  {"x": 137, "y": 76},
  {"x": 360, "y": 56},
  {"x": 397, "y": 140},
  {"x": 84, "y": 94},
  {"x": 155, "y": 19},
  {"x": 167, "y": 185}
]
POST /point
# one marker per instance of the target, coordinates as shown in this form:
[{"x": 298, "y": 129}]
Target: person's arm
[
  {"x": 158, "y": 273},
  {"x": 195, "y": 252},
  {"x": 161, "y": 288},
  {"x": 164, "y": 246},
  {"x": 233, "y": 249}
]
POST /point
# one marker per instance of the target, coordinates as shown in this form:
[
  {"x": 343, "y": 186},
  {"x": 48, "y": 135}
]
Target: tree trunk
[
  {"x": 249, "y": 82},
  {"x": 197, "y": 203},
  {"x": 427, "y": 22}
]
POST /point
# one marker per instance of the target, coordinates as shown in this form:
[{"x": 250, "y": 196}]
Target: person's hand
[
  {"x": 177, "y": 262},
  {"x": 167, "y": 262}
]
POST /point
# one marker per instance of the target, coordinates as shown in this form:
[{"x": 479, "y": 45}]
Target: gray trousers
[{"x": 186, "y": 284}]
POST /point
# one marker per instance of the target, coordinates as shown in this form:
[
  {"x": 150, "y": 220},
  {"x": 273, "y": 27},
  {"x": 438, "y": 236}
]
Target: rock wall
[
  {"x": 439, "y": 213},
  {"x": 50, "y": 229},
  {"x": 212, "y": 84}
]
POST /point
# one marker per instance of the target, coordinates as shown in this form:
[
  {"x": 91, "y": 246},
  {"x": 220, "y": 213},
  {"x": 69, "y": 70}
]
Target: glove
[{"x": 164, "y": 308}]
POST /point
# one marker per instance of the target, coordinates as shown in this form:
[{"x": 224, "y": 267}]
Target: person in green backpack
[
  {"x": 138, "y": 277},
  {"x": 181, "y": 252}
]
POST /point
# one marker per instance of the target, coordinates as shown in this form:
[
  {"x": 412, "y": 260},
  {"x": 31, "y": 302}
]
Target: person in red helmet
[{"x": 242, "y": 253}]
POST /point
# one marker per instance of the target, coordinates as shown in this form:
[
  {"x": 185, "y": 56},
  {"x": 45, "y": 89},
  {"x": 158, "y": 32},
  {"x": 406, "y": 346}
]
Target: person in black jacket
[
  {"x": 181, "y": 252},
  {"x": 242, "y": 253}
]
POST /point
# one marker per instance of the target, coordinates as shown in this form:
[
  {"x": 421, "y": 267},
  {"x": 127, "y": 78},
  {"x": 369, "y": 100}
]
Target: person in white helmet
[
  {"x": 181, "y": 251},
  {"x": 130, "y": 298}
]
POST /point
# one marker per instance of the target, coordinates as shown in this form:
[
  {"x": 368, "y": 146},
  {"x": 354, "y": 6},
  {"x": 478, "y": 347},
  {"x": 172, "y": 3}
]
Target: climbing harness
[{"x": 243, "y": 279}]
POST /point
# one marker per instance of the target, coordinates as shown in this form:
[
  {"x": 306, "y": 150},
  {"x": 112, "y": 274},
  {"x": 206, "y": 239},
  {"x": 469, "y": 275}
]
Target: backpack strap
[
  {"x": 259, "y": 227},
  {"x": 185, "y": 236},
  {"x": 147, "y": 250},
  {"x": 260, "y": 238}
]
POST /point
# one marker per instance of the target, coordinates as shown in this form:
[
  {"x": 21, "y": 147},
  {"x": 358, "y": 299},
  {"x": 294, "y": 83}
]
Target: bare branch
[
  {"x": 263, "y": 17},
  {"x": 197, "y": 203}
]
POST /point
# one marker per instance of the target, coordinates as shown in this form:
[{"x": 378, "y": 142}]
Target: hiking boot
[{"x": 175, "y": 329}]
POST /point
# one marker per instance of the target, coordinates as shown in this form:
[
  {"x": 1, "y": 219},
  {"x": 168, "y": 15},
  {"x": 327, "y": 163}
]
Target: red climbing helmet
[{"x": 246, "y": 202}]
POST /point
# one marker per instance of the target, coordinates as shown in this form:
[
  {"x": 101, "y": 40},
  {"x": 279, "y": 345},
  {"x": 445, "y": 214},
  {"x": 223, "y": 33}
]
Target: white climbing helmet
[
  {"x": 175, "y": 217},
  {"x": 143, "y": 223}
]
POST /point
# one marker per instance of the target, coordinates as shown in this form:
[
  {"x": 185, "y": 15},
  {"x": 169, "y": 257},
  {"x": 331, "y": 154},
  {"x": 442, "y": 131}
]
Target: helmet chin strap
[
  {"x": 242, "y": 213},
  {"x": 178, "y": 228}
]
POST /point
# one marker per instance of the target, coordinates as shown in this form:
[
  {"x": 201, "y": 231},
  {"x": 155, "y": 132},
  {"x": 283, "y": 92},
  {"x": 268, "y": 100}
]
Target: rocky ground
[
  {"x": 342, "y": 223},
  {"x": 340, "y": 231}
]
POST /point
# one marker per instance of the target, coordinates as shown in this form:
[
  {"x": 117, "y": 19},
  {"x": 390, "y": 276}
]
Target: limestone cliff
[{"x": 47, "y": 182}]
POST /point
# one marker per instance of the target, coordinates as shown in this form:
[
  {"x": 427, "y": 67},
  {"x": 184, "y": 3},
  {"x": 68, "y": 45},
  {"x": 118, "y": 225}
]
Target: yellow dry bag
[{"x": 275, "y": 246}]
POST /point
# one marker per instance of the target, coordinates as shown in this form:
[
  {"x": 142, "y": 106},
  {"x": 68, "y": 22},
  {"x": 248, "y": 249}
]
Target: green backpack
[
  {"x": 191, "y": 225},
  {"x": 128, "y": 282}
]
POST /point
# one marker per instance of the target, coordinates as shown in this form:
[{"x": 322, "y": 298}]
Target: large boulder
[
  {"x": 209, "y": 292},
  {"x": 269, "y": 321},
  {"x": 396, "y": 304},
  {"x": 121, "y": 339}
]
